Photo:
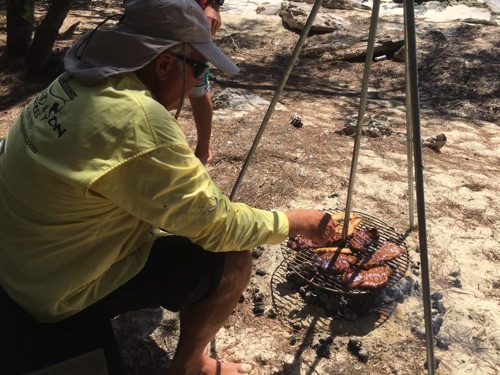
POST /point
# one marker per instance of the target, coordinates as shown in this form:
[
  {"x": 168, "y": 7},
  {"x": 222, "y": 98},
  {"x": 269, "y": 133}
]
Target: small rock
[
  {"x": 272, "y": 314},
  {"x": 456, "y": 283},
  {"x": 327, "y": 340},
  {"x": 311, "y": 297},
  {"x": 304, "y": 289},
  {"x": 257, "y": 252},
  {"x": 296, "y": 121},
  {"x": 435, "y": 142},
  {"x": 258, "y": 297},
  {"x": 356, "y": 348},
  {"x": 297, "y": 326},
  {"x": 259, "y": 309},
  {"x": 406, "y": 285},
  {"x": 324, "y": 348},
  {"x": 415, "y": 268},
  {"x": 437, "y": 361},
  {"x": 436, "y": 325},
  {"x": 394, "y": 294},
  {"x": 416, "y": 286},
  {"x": 442, "y": 341},
  {"x": 419, "y": 331},
  {"x": 399, "y": 55},
  {"x": 439, "y": 306},
  {"x": 260, "y": 272},
  {"x": 436, "y": 296},
  {"x": 292, "y": 340},
  {"x": 292, "y": 276}
]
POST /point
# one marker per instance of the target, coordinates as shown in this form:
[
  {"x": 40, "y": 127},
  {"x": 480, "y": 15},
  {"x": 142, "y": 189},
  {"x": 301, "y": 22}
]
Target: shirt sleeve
[{"x": 170, "y": 189}]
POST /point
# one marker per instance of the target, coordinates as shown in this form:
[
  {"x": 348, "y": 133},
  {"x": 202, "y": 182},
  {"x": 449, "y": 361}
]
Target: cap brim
[{"x": 216, "y": 57}]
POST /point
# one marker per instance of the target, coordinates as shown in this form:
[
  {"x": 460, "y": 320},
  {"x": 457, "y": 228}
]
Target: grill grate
[{"x": 333, "y": 282}]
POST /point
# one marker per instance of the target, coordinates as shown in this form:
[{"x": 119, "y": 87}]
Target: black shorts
[{"x": 177, "y": 274}]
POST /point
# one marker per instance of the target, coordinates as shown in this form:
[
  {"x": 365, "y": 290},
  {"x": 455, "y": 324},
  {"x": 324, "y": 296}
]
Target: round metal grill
[{"x": 333, "y": 282}]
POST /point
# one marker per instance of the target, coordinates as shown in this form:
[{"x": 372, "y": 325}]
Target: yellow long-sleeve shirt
[{"x": 87, "y": 176}]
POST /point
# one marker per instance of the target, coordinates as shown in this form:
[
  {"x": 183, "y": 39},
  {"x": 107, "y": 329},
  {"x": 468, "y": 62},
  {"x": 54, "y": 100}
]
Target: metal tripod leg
[
  {"x": 277, "y": 94},
  {"x": 412, "y": 89},
  {"x": 413, "y": 134},
  {"x": 361, "y": 113}
]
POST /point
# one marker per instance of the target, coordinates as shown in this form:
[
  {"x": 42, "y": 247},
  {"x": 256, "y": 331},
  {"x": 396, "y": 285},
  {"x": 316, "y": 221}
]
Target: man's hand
[
  {"x": 214, "y": 19},
  {"x": 313, "y": 224}
]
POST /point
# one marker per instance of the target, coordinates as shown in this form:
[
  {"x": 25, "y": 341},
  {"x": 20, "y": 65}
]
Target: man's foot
[{"x": 215, "y": 367}]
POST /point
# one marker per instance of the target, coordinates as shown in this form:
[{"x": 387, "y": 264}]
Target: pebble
[
  {"x": 296, "y": 121},
  {"x": 406, "y": 285},
  {"x": 259, "y": 309},
  {"x": 304, "y": 289},
  {"x": 324, "y": 350},
  {"x": 437, "y": 361},
  {"x": 272, "y": 314},
  {"x": 292, "y": 276},
  {"x": 357, "y": 348},
  {"x": 258, "y": 297},
  {"x": 416, "y": 286},
  {"x": 257, "y": 252},
  {"x": 442, "y": 341},
  {"x": 260, "y": 272},
  {"x": 436, "y": 325},
  {"x": 311, "y": 297},
  {"x": 436, "y": 296},
  {"x": 439, "y": 306},
  {"x": 324, "y": 347}
]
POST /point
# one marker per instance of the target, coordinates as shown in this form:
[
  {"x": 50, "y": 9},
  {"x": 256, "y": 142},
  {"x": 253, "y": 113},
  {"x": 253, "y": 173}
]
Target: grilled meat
[
  {"x": 363, "y": 238},
  {"x": 338, "y": 218},
  {"x": 333, "y": 262},
  {"x": 373, "y": 278},
  {"x": 388, "y": 251},
  {"x": 343, "y": 250},
  {"x": 300, "y": 243}
]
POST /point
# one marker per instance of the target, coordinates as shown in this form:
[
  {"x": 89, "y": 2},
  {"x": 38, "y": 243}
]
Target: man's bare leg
[{"x": 201, "y": 321}]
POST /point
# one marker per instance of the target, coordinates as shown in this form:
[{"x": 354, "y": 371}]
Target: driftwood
[{"x": 353, "y": 48}]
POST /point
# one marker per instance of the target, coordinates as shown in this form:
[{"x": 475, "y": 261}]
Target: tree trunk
[
  {"x": 20, "y": 24},
  {"x": 46, "y": 34}
]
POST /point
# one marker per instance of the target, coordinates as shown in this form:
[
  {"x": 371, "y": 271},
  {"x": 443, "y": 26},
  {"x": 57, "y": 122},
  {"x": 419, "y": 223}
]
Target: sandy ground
[{"x": 310, "y": 167}]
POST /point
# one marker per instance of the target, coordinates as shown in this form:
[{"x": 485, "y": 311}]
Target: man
[
  {"x": 200, "y": 97},
  {"x": 96, "y": 164}
]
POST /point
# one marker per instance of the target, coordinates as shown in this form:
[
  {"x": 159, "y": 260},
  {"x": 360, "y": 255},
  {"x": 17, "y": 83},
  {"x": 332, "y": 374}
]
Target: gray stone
[
  {"x": 295, "y": 16},
  {"x": 435, "y": 142},
  {"x": 339, "y": 4}
]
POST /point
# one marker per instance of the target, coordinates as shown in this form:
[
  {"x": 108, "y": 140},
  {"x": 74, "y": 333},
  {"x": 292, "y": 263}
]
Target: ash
[{"x": 352, "y": 307}]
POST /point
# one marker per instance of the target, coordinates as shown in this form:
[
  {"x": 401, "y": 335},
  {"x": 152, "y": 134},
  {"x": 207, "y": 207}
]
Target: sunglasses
[{"x": 199, "y": 69}]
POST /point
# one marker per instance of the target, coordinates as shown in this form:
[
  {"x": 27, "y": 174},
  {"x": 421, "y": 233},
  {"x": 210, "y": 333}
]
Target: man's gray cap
[{"x": 148, "y": 28}]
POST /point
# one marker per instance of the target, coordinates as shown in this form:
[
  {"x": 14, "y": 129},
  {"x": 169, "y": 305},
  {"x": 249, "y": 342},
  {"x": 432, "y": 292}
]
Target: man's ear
[{"x": 162, "y": 64}]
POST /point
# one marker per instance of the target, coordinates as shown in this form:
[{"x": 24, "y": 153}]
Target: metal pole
[
  {"x": 409, "y": 131},
  {"x": 277, "y": 94},
  {"x": 361, "y": 113},
  {"x": 417, "y": 146}
]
